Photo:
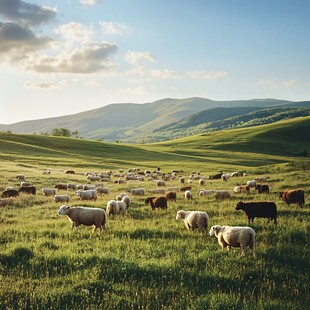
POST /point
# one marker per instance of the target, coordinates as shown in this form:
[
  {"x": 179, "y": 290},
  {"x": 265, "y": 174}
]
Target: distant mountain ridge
[{"x": 129, "y": 121}]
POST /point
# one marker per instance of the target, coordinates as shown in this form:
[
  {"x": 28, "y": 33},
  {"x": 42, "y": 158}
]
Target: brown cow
[
  {"x": 171, "y": 196},
  {"x": 293, "y": 196},
  {"x": 185, "y": 188}
]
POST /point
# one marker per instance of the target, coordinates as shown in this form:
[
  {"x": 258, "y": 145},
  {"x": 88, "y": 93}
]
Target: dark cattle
[
  {"x": 70, "y": 172},
  {"x": 171, "y": 196},
  {"x": 157, "y": 202},
  {"x": 185, "y": 188},
  {"x": 293, "y": 196},
  {"x": 27, "y": 190},
  {"x": 263, "y": 209},
  {"x": 9, "y": 193},
  {"x": 262, "y": 188},
  {"x": 216, "y": 176},
  {"x": 61, "y": 186}
]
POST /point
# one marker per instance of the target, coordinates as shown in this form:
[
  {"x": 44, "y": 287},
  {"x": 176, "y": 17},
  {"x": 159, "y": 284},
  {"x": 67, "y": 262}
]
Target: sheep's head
[
  {"x": 180, "y": 215},
  {"x": 214, "y": 230},
  {"x": 63, "y": 210}
]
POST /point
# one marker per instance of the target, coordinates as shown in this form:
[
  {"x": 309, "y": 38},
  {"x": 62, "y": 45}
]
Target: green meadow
[{"x": 146, "y": 259}]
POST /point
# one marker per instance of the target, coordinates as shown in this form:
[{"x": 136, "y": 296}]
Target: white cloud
[
  {"x": 165, "y": 73},
  {"x": 277, "y": 84},
  {"x": 113, "y": 28},
  {"x": 89, "y": 2},
  {"x": 75, "y": 33},
  {"x": 44, "y": 85},
  {"x": 206, "y": 75},
  {"x": 138, "y": 58},
  {"x": 91, "y": 58}
]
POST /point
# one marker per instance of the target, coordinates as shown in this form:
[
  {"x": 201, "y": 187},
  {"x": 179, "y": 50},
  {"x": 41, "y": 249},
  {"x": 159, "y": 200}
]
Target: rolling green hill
[
  {"x": 125, "y": 121},
  {"x": 243, "y": 147}
]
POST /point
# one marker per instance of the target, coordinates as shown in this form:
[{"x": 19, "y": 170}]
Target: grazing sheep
[
  {"x": 61, "y": 186},
  {"x": 20, "y": 177},
  {"x": 185, "y": 188},
  {"x": 27, "y": 190},
  {"x": 182, "y": 180},
  {"x": 92, "y": 178},
  {"x": 157, "y": 191},
  {"x": 234, "y": 236},
  {"x": 171, "y": 196},
  {"x": 102, "y": 190},
  {"x": 241, "y": 189},
  {"x": 25, "y": 184},
  {"x": 127, "y": 200},
  {"x": 112, "y": 207},
  {"x": 70, "y": 172},
  {"x": 61, "y": 198},
  {"x": 173, "y": 189},
  {"x": 202, "y": 182},
  {"x": 193, "y": 219},
  {"x": 72, "y": 186},
  {"x": 251, "y": 183},
  {"x": 188, "y": 195},
  {"x": 225, "y": 177},
  {"x": 157, "y": 202},
  {"x": 261, "y": 179},
  {"x": 222, "y": 194},
  {"x": 87, "y": 187},
  {"x": 264, "y": 209},
  {"x": 205, "y": 192},
  {"x": 122, "y": 206},
  {"x": 90, "y": 194},
  {"x": 49, "y": 191},
  {"x": 237, "y": 174},
  {"x": 84, "y": 216},
  {"x": 160, "y": 183},
  {"x": 137, "y": 191},
  {"x": 10, "y": 193},
  {"x": 120, "y": 196},
  {"x": 262, "y": 188}
]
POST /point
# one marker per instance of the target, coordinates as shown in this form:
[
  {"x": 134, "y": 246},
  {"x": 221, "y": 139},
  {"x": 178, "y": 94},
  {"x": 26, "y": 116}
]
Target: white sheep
[
  {"x": 102, "y": 190},
  {"x": 202, "y": 182},
  {"x": 90, "y": 194},
  {"x": 92, "y": 178},
  {"x": 122, "y": 206},
  {"x": 188, "y": 195},
  {"x": 120, "y": 196},
  {"x": 157, "y": 191},
  {"x": 72, "y": 186},
  {"x": 25, "y": 184},
  {"x": 173, "y": 189},
  {"x": 88, "y": 187},
  {"x": 226, "y": 176},
  {"x": 61, "y": 198},
  {"x": 251, "y": 183},
  {"x": 205, "y": 192},
  {"x": 137, "y": 191},
  {"x": 112, "y": 207},
  {"x": 241, "y": 189},
  {"x": 160, "y": 183},
  {"x": 261, "y": 179},
  {"x": 193, "y": 219},
  {"x": 127, "y": 200},
  {"x": 49, "y": 191},
  {"x": 84, "y": 216},
  {"x": 222, "y": 194},
  {"x": 20, "y": 177},
  {"x": 234, "y": 236}
]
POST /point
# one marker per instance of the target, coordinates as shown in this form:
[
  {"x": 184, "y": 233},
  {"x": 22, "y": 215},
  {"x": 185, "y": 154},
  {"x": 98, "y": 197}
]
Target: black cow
[
  {"x": 9, "y": 193},
  {"x": 265, "y": 209}
]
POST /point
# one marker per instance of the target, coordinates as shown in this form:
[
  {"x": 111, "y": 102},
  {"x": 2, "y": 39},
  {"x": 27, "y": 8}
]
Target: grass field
[{"x": 146, "y": 259}]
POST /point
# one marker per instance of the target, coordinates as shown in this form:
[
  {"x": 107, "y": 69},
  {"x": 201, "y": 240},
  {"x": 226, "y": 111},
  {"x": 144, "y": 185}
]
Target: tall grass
[{"x": 146, "y": 259}]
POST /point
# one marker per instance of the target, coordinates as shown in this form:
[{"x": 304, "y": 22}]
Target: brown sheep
[{"x": 157, "y": 202}]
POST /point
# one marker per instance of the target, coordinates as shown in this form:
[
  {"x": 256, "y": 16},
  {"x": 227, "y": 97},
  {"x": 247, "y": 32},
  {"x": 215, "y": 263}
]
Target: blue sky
[{"x": 63, "y": 57}]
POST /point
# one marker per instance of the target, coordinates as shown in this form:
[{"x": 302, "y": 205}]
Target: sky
[{"x": 68, "y": 56}]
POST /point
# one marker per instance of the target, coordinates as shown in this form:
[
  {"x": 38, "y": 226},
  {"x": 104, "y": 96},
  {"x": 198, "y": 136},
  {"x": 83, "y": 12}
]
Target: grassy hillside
[
  {"x": 146, "y": 259},
  {"x": 222, "y": 118},
  {"x": 125, "y": 120}
]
